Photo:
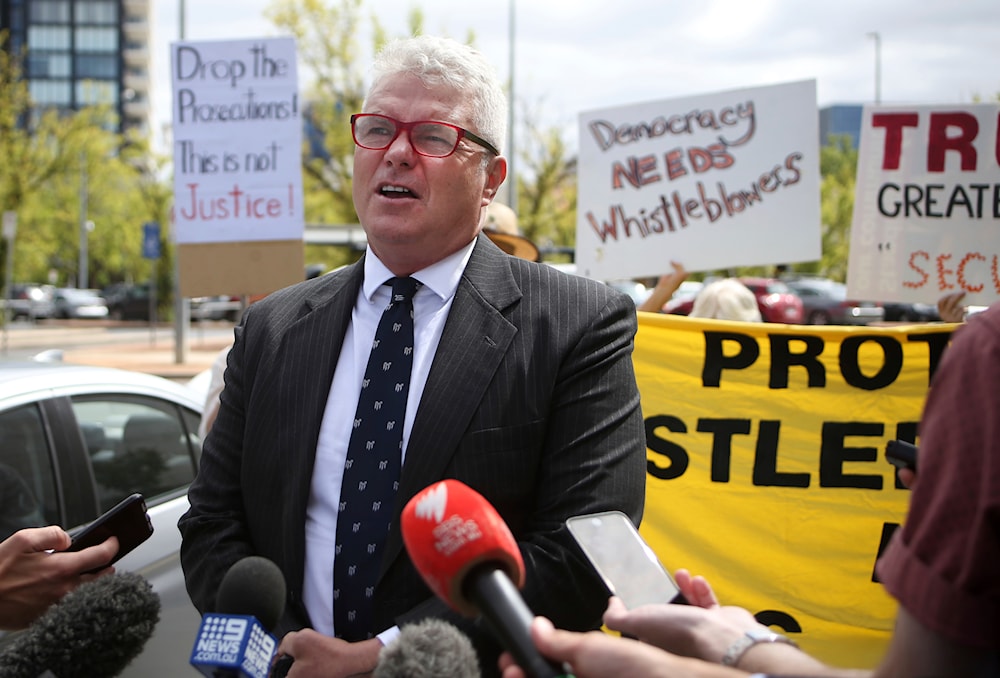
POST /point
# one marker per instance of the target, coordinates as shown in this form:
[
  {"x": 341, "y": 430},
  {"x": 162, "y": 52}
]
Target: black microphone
[
  {"x": 95, "y": 630},
  {"x": 428, "y": 649},
  {"x": 236, "y": 642}
]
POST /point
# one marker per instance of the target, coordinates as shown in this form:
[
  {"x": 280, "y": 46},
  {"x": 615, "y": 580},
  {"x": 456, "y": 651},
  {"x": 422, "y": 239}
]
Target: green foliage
[
  {"x": 54, "y": 163},
  {"x": 326, "y": 40},
  {"x": 546, "y": 188}
]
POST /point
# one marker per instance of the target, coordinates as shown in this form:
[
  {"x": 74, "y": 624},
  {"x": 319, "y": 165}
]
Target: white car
[{"x": 75, "y": 440}]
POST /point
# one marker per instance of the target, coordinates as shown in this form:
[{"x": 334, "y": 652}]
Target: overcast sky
[{"x": 584, "y": 55}]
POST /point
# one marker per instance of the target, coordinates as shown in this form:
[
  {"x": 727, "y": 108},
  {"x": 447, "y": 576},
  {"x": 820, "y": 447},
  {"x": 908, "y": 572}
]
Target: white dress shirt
[{"x": 431, "y": 305}]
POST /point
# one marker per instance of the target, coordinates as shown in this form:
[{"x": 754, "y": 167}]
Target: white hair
[{"x": 442, "y": 61}]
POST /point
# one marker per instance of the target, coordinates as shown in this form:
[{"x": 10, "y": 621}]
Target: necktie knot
[{"x": 403, "y": 289}]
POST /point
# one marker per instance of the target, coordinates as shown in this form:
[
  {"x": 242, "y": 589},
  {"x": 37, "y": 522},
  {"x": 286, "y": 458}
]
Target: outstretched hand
[{"x": 35, "y": 573}]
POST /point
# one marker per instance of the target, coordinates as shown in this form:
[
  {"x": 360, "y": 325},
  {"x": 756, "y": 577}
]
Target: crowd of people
[{"x": 521, "y": 386}]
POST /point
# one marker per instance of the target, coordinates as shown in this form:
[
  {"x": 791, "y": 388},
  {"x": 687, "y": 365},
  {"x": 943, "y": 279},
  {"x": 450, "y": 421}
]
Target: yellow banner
[{"x": 766, "y": 469}]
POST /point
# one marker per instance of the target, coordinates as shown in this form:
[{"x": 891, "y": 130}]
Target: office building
[
  {"x": 84, "y": 52},
  {"x": 840, "y": 119}
]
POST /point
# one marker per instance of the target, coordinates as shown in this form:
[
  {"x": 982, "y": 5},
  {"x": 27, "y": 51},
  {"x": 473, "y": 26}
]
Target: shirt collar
[{"x": 441, "y": 277}]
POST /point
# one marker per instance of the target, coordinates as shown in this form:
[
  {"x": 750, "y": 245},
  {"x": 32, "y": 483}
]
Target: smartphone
[
  {"x": 127, "y": 520},
  {"x": 623, "y": 559},
  {"x": 901, "y": 454}
]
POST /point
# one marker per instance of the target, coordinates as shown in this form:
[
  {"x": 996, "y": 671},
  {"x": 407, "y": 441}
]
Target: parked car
[
  {"x": 74, "y": 441},
  {"x": 915, "y": 312},
  {"x": 634, "y": 289},
  {"x": 825, "y": 302},
  {"x": 776, "y": 301},
  {"x": 682, "y": 300},
  {"x": 128, "y": 302},
  {"x": 216, "y": 308},
  {"x": 69, "y": 302},
  {"x": 31, "y": 301}
]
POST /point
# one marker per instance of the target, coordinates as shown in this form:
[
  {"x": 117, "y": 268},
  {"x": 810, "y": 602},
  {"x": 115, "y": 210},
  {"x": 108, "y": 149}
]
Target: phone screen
[{"x": 623, "y": 559}]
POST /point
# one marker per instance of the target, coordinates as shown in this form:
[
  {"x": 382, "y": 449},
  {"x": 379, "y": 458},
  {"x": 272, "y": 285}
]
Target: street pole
[
  {"x": 9, "y": 231},
  {"x": 511, "y": 172},
  {"x": 182, "y": 308},
  {"x": 82, "y": 273},
  {"x": 878, "y": 65}
]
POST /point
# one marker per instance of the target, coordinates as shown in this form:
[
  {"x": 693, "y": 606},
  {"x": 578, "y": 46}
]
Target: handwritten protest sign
[
  {"x": 927, "y": 204},
  {"x": 714, "y": 181},
  {"x": 237, "y": 129}
]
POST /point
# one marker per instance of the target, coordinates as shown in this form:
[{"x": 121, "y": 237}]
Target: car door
[{"x": 66, "y": 459}]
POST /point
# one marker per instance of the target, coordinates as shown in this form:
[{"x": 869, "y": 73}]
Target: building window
[
  {"x": 42, "y": 65},
  {"x": 51, "y": 92},
  {"x": 93, "y": 92},
  {"x": 48, "y": 37},
  {"x": 49, "y": 11},
  {"x": 93, "y": 39},
  {"x": 102, "y": 12},
  {"x": 102, "y": 66}
]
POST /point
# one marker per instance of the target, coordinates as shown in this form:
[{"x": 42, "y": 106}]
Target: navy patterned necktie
[{"x": 371, "y": 472}]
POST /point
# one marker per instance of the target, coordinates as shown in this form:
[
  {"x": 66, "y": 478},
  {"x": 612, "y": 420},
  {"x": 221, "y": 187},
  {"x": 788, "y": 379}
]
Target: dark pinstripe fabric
[{"x": 531, "y": 400}]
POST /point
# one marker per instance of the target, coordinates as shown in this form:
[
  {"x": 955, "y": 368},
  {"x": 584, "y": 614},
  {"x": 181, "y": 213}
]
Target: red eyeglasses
[{"x": 430, "y": 138}]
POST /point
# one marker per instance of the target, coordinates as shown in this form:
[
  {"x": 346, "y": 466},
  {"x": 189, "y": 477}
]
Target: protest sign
[
  {"x": 714, "y": 181},
  {"x": 927, "y": 204},
  {"x": 237, "y": 132},
  {"x": 765, "y": 465}
]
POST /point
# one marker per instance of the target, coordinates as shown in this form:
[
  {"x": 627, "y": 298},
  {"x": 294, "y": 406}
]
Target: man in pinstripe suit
[{"x": 522, "y": 383}]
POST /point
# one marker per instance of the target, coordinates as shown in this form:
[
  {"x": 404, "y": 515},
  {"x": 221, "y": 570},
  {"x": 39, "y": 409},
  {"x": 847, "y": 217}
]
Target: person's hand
[
  {"x": 665, "y": 288},
  {"x": 598, "y": 655},
  {"x": 316, "y": 655},
  {"x": 703, "y": 629},
  {"x": 34, "y": 573},
  {"x": 907, "y": 477},
  {"x": 950, "y": 308}
]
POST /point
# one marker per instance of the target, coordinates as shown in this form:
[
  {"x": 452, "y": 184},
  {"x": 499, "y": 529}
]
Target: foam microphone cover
[
  {"x": 431, "y": 648},
  {"x": 449, "y": 529},
  {"x": 253, "y": 586},
  {"x": 95, "y": 630}
]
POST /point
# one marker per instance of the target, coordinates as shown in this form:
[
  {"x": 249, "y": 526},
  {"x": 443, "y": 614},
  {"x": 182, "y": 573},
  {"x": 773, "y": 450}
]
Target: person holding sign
[
  {"x": 520, "y": 385},
  {"x": 941, "y": 565}
]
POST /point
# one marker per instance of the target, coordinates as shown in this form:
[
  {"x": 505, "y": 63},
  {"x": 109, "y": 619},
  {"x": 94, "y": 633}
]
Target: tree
[
  {"x": 546, "y": 190},
  {"x": 53, "y": 160},
  {"x": 838, "y": 167}
]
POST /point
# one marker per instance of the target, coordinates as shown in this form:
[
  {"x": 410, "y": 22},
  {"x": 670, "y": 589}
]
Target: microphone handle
[{"x": 499, "y": 601}]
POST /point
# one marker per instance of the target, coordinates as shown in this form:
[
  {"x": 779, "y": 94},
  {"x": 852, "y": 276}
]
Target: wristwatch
[{"x": 750, "y": 638}]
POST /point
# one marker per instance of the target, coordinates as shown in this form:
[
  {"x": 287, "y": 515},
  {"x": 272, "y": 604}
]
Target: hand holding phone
[
  {"x": 901, "y": 454},
  {"x": 623, "y": 559},
  {"x": 127, "y": 520}
]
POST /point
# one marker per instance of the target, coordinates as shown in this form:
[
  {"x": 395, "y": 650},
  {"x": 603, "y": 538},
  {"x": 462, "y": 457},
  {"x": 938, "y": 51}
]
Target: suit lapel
[
  {"x": 475, "y": 339},
  {"x": 307, "y": 355}
]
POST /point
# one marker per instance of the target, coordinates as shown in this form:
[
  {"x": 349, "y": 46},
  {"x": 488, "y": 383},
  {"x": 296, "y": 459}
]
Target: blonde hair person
[{"x": 726, "y": 299}]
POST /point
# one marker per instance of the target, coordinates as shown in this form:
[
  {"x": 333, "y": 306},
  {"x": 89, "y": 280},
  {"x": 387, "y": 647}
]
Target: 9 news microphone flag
[{"x": 236, "y": 642}]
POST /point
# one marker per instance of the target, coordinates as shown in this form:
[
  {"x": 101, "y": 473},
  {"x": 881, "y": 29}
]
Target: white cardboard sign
[
  {"x": 927, "y": 204},
  {"x": 237, "y": 129},
  {"x": 713, "y": 181}
]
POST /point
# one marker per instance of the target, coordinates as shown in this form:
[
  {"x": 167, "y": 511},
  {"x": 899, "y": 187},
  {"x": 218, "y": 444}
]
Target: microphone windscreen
[
  {"x": 428, "y": 649},
  {"x": 95, "y": 630},
  {"x": 253, "y": 586},
  {"x": 448, "y": 529}
]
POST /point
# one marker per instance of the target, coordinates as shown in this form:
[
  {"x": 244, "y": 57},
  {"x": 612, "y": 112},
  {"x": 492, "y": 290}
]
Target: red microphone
[{"x": 467, "y": 555}]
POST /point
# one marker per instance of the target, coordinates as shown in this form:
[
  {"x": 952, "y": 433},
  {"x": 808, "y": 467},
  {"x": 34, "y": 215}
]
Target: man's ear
[{"x": 496, "y": 172}]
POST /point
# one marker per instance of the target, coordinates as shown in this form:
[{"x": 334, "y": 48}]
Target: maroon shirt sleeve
[{"x": 943, "y": 565}]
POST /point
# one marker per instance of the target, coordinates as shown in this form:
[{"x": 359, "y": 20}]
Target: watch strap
[{"x": 750, "y": 638}]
